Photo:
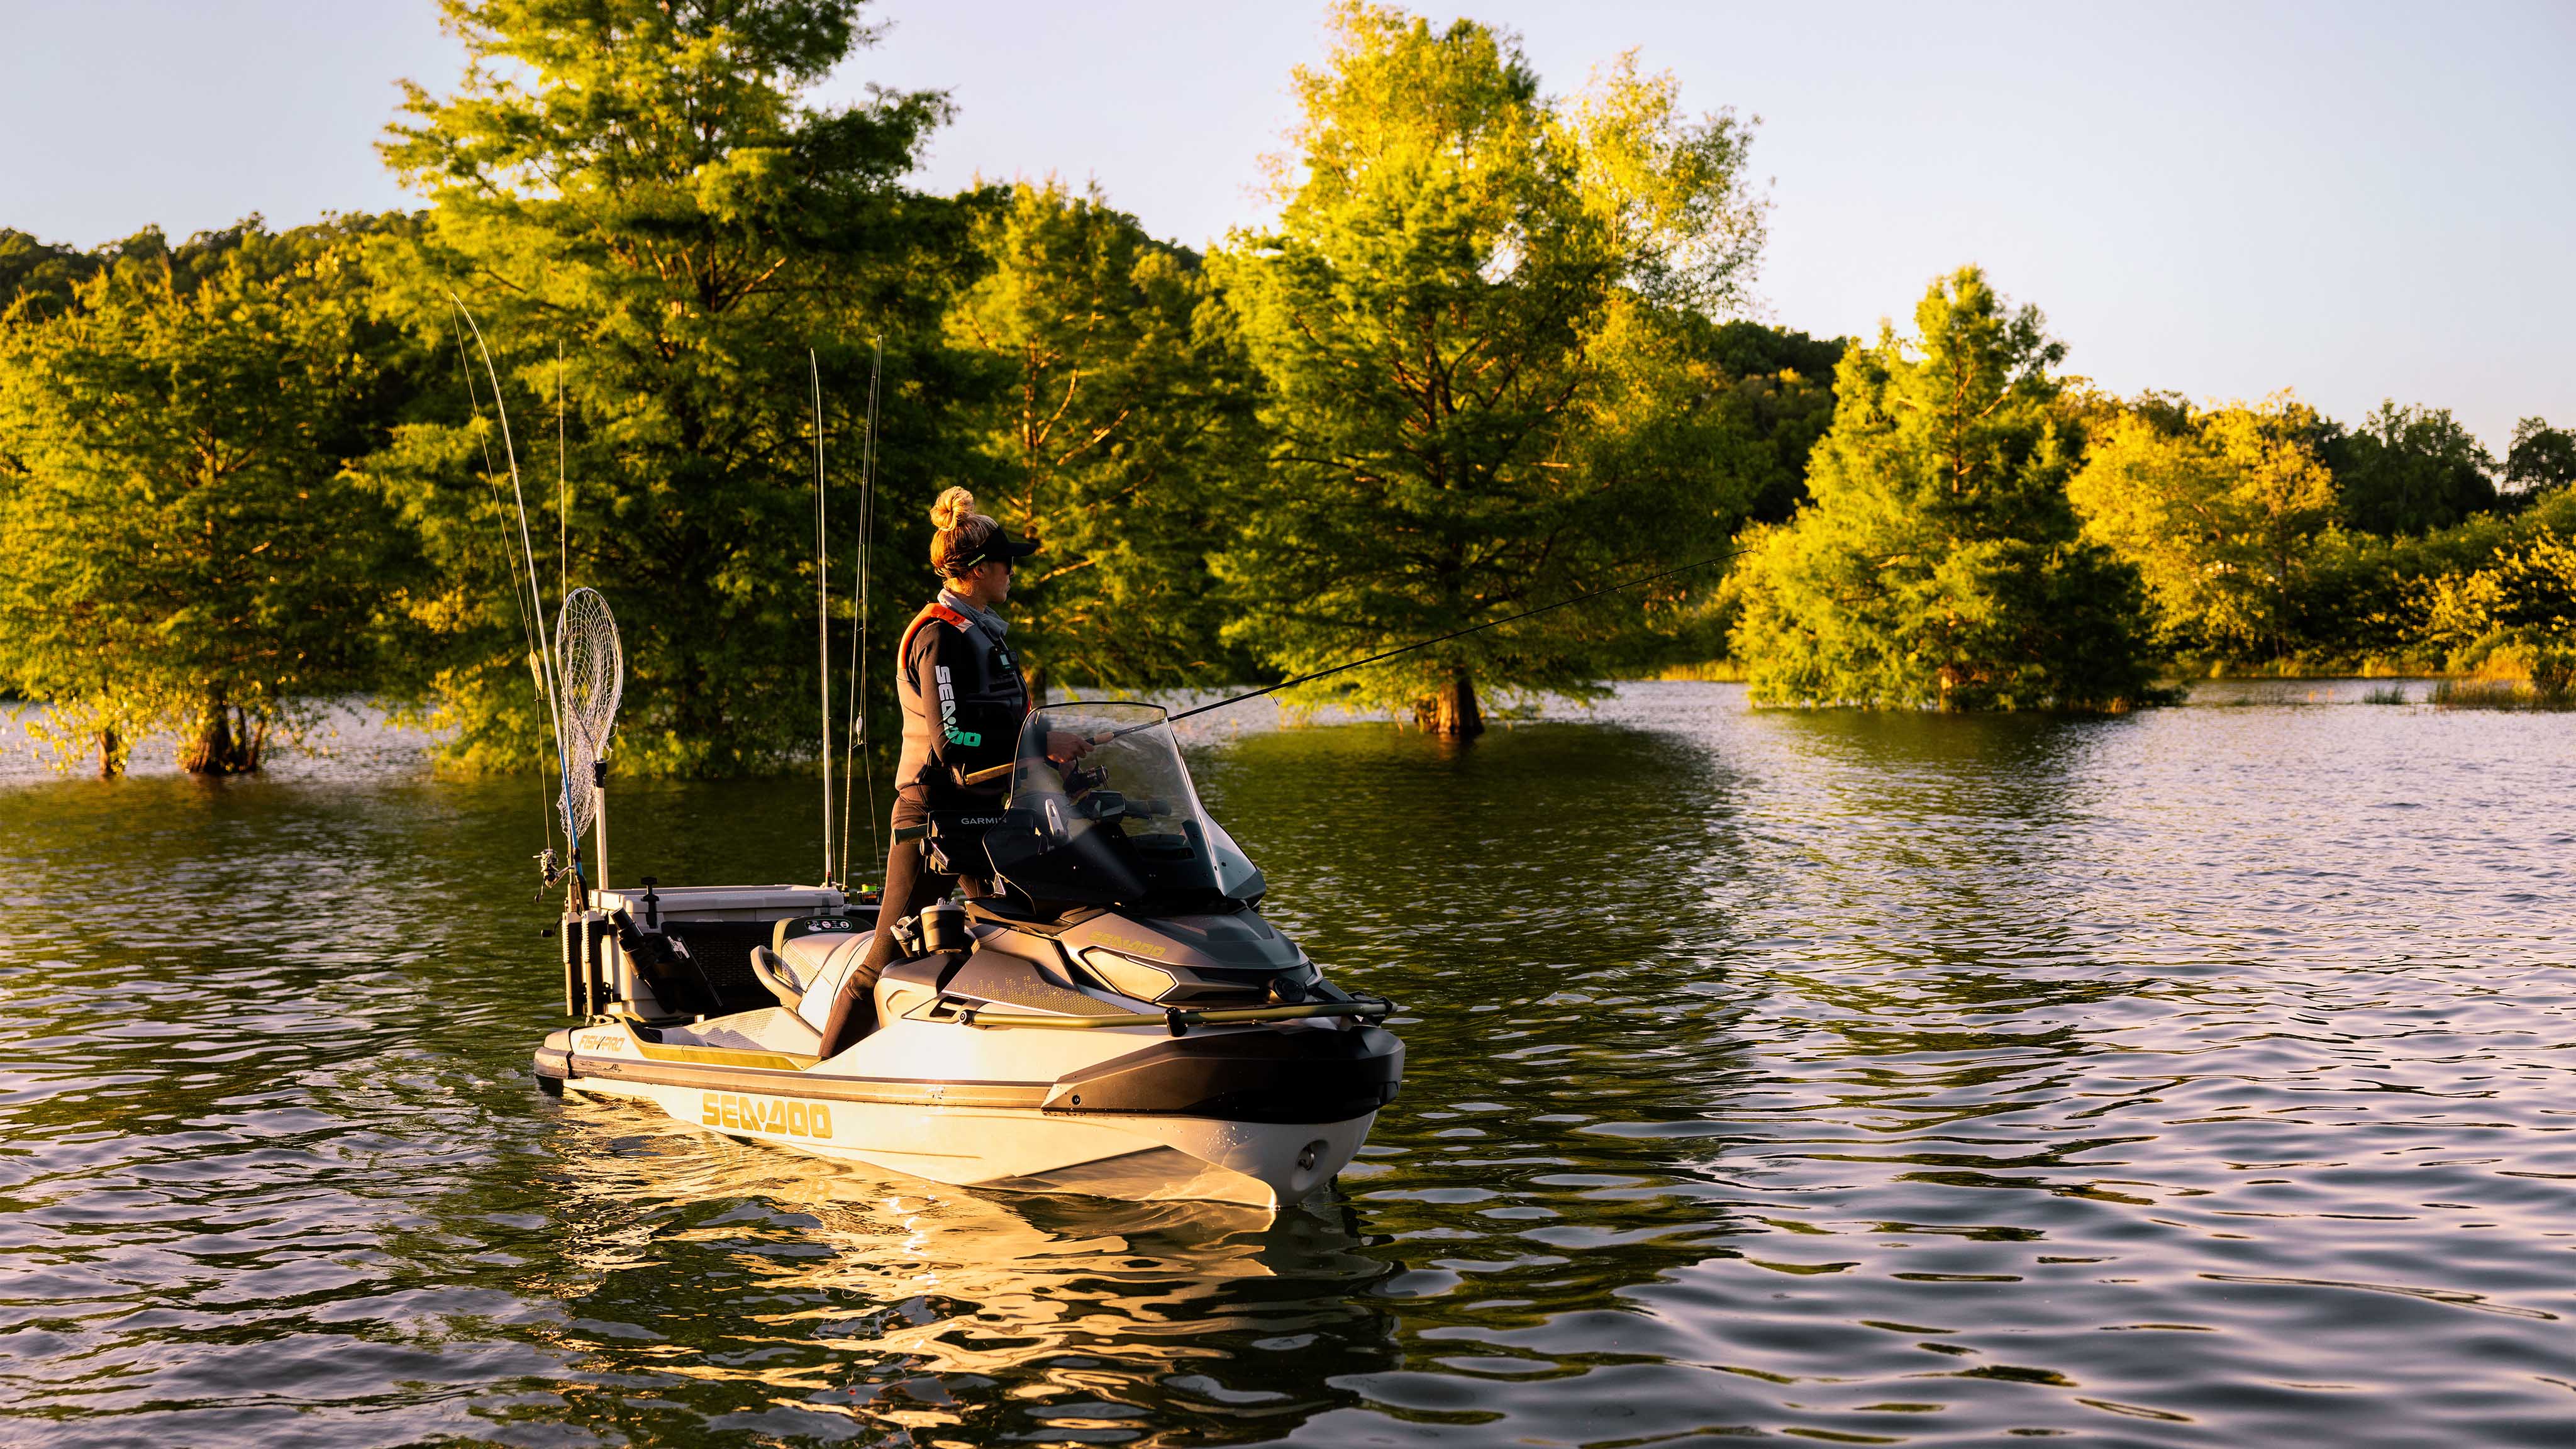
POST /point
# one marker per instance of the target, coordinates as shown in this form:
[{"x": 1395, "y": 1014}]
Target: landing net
[{"x": 591, "y": 672}]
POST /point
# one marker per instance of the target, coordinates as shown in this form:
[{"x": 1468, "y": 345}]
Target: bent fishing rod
[{"x": 1104, "y": 737}]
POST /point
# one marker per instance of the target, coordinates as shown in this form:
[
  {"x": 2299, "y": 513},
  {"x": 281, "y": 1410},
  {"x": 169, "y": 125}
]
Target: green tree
[
  {"x": 186, "y": 547},
  {"x": 1772, "y": 391},
  {"x": 1118, "y": 401},
  {"x": 41, "y": 275},
  {"x": 1471, "y": 323},
  {"x": 638, "y": 183},
  {"x": 2219, "y": 510},
  {"x": 2541, "y": 458},
  {"x": 2521, "y": 604},
  {"x": 2408, "y": 470},
  {"x": 1940, "y": 562}
]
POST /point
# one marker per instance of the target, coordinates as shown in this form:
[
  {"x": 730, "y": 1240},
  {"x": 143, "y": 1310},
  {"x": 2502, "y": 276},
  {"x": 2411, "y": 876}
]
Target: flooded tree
[
  {"x": 186, "y": 548},
  {"x": 1471, "y": 322},
  {"x": 1940, "y": 562}
]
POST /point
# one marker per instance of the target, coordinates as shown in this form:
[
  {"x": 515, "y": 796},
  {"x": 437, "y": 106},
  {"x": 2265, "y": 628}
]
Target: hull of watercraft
[{"x": 1259, "y": 1116}]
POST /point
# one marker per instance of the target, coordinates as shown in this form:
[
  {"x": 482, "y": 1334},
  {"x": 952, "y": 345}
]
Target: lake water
[{"x": 2206, "y": 1076}]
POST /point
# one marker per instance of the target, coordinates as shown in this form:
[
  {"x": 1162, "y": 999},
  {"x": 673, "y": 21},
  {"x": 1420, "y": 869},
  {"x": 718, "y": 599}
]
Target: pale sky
[{"x": 2352, "y": 200}]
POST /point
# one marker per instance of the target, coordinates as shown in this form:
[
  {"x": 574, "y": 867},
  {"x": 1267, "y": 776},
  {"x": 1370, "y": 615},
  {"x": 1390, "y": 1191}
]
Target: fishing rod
[
  {"x": 1104, "y": 737},
  {"x": 509, "y": 566},
  {"x": 859, "y": 642},
  {"x": 822, "y": 608},
  {"x": 563, "y": 490},
  {"x": 544, "y": 652}
]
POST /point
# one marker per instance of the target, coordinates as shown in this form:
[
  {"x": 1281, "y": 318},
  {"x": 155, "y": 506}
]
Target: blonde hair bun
[{"x": 953, "y": 508}]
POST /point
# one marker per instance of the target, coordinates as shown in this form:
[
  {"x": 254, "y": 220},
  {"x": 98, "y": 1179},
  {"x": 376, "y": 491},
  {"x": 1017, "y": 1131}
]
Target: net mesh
[{"x": 590, "y": 671}]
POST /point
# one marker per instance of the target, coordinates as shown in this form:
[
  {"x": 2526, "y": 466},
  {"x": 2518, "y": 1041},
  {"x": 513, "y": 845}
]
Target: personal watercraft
[{"x": 1117, "y": 1019}]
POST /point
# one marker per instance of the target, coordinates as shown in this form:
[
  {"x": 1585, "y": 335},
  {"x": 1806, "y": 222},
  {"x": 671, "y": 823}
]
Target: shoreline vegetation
[
  {"x": 368, "y": 735},
  {"x": 1494, "y": 350}
]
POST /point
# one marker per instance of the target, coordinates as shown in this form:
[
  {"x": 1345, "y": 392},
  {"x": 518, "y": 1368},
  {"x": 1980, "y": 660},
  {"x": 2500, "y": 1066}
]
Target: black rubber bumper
[{"x": 1265, "y": 1076}]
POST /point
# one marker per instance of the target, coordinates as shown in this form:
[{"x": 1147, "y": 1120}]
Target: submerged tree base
[
  {"x": 1450, "y": 711},
  {"x": 229, "y": 740}
]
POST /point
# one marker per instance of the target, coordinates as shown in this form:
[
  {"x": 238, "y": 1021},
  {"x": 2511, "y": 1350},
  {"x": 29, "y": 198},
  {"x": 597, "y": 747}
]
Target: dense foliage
[
  {"x": 2408, "y": 470},
  {"x": 638, "y": 184},
  {"x": 1480, "y": 328},
  {"x": 1112, "y": 411},
  {"x": 1489, "y": 355},
  {"x": 1941, "y": 563},
  {"x": 2221, "y": 509},
  {"x": 186, "y": 546}
]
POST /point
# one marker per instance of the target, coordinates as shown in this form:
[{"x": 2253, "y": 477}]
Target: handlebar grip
[{"x": 995, "y": 772}]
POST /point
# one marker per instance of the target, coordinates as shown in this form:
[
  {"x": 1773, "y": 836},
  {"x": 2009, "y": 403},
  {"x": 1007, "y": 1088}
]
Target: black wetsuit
[{"x": 963, "y": 705}]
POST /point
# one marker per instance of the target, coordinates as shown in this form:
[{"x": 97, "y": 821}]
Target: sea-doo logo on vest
[
  {"x": 948, "y": 712},
  {"x": 737, "y": 1113}
]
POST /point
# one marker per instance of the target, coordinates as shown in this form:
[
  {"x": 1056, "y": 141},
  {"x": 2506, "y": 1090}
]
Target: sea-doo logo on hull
[
  {"x": 737, "y": 1113},
  {"x": 1118, "y": 942}
]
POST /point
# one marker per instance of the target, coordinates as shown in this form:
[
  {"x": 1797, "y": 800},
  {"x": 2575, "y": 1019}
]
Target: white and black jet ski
[{"x": 1118, "y": 1020}]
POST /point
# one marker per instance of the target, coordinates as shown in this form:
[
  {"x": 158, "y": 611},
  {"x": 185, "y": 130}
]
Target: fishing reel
[{"x": 550, "y": 872}]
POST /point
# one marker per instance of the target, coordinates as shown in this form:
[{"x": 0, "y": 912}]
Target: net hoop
[{"x": 590, "y": 670}]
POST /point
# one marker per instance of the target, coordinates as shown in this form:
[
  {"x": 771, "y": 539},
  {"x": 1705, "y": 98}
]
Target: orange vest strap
[{"x": 933, "y": 610}]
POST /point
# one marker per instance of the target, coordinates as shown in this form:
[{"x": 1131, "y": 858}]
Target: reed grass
[
  {"x": 1720, "y": 671},
  {"x": 2496, "y": 694}
]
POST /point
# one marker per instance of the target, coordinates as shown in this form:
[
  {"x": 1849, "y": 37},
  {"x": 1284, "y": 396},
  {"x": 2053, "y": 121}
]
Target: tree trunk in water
[
  {"x": 1450, "y": 711},
  {"x": 225, "y": 742},
  {"x": 111, "y": 753}
]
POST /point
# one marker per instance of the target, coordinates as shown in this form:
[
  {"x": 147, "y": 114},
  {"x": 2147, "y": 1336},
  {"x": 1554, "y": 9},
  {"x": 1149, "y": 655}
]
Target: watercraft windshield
[{"x": 1119, "y": 824}]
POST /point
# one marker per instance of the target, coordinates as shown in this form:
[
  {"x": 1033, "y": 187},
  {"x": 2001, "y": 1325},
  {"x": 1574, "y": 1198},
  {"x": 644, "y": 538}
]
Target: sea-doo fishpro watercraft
[{"x": 1118, "y": 1019}]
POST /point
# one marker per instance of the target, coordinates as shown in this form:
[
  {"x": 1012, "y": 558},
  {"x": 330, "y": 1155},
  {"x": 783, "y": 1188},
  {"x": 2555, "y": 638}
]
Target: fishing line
[
  {"x": 563, "y": 490},
  {"x": 1462, "y": 633},
  {"x": 527, "y": 550},
  {"x": 996, "y": 772},
  {"x": 509, "y": 566}
]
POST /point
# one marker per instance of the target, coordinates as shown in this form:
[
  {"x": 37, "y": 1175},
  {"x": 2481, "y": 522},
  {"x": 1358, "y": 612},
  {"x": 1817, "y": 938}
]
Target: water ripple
[{"x": 2201, "y": 1077}]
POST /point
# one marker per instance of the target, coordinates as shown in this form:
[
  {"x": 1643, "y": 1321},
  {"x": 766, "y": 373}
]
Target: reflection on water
[
  {"x": 2200, "y": 1077},
  {"x": 784, "y": 1288}
]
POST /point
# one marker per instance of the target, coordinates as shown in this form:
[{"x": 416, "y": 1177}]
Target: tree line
[
  {"x": 1490, "y": 354},
  {"x": 1986, "y": 532}
]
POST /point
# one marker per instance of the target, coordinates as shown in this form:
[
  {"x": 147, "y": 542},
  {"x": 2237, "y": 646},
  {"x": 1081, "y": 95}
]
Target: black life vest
[{"x": 975, "y": 714}]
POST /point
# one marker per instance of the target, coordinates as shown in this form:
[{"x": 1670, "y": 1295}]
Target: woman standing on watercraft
[{"x": 963, "y": 705}]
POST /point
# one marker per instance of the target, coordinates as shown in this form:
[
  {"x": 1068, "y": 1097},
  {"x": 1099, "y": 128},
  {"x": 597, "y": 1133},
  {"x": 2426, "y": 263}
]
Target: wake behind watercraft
[{"x": 1119, "y": 1019}]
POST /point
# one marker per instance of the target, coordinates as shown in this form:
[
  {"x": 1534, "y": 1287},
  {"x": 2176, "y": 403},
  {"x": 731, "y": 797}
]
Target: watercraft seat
[
  {"x": 805, "y": 952},
  {"x": 779, "y": 976}
]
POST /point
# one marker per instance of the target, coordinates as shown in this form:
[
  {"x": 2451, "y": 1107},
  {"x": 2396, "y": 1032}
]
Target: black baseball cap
[{"x": 1000, "y": 546}]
